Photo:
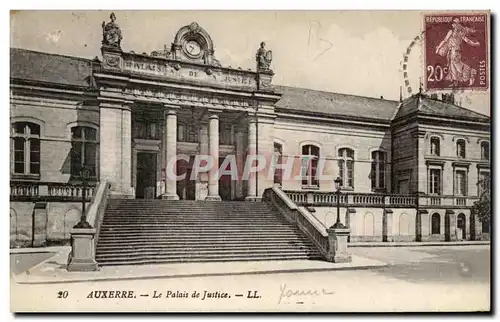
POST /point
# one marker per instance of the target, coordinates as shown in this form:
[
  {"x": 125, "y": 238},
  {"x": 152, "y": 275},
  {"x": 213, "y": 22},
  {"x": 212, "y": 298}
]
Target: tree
[{"x": 482, "y": 207}]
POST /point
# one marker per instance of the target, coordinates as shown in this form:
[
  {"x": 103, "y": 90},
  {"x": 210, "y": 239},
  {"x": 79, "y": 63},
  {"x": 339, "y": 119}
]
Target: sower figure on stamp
[{"x": 450, "y": 47}]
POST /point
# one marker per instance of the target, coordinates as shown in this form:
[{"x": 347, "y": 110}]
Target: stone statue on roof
[
  {"x": 111, "y": 33},
  {"x": 264, "y": 58}
]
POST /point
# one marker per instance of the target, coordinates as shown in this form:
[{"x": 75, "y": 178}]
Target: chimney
[{"x": 448, "y": 98}]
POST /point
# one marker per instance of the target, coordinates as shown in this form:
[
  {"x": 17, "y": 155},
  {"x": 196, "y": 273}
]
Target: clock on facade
[{"x": 192, "y": 48}]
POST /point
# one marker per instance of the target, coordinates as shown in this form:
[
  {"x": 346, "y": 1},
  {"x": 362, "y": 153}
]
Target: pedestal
[
  {"x": 82, "y": 257},
  {"x": 337, "y": 245}
]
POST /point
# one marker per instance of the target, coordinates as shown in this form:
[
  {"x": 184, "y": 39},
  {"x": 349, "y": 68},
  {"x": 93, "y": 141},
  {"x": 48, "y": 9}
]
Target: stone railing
[
  {"x": 317, "y": 198},
  {"x": 84, "y": 238},
  {"x": 305, "y": 221},
  {"x": 320, "y": 198},
  {"x": 95, "y": 213},
  {"x": 447, "y": 201},
  {"x": 49, "y": 191}
]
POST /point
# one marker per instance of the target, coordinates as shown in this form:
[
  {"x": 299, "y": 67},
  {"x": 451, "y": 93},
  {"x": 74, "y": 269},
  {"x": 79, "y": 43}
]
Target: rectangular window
[
  {"x": 314, "y": 169},
  {"x": 19, "y": 155},
  {"x": 350, "y": 173},
  {"x": 341, "y": 172},
  {"x": 304, "y": 167},
  {"x": 460, "y": 183},
  {"x": 34, "y": 156},
  {"x": 76, "y": 158},
  {"x": 381, "y": 170},
  {"x": 91, "y": 157},
  {"x": 483, "y": 181},
  {"x": 374, "y": 175},
  {"x": 435, "y": 181}
]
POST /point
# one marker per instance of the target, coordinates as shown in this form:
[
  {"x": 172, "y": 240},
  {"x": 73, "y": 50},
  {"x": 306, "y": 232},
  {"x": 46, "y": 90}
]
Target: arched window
[
  {"x": 378, "y": 170},
  {"x": 26, "y": 148},
  {"x": 346, "y": 168},
  {"x": 435, "y": 146},
  {"x": 485, "y": 150},
  {"x": 436, "y": 224},
  {"x": 461, "y": 148},
  {"x": 278, "y": 154},
  {"x": 310, "y": 158},
  {"x": 84, "y": 144}
]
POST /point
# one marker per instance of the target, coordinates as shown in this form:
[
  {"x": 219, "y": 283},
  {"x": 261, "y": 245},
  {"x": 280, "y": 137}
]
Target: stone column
[
  {"x": 213, "y": 150},
  {"x": 240, "y": 160},
  {"x": 170, "y": 154},
  {"x": 252, "y": 151},
  {"x": 126, "y": 145},
  {"x": 202, "y": 184},
  {"x": 114, "y": 151}
]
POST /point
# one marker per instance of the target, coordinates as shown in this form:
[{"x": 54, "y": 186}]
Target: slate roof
[
  {"x": 49, "y": 68},
  {"x": 429, "y": 106},
  {"x": 75, "y": 71},
  {"x": 313, "y": 101}
]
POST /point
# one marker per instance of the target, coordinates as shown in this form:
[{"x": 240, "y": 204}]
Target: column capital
[
  {"x": 251, "y": 119},
  {"x": 127, "y": 105},
  {"x": 213, "y": 112},
  {"x": 170, "y": 107}
]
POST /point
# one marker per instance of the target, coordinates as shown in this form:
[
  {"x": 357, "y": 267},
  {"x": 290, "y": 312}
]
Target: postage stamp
[{"x": 456, "y": 51}]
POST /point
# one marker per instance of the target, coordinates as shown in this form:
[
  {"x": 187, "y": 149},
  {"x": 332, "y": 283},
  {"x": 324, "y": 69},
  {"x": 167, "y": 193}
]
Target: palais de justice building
[{"x": 409, "y": 169}]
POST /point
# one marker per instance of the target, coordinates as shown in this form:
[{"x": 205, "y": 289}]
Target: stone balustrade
[
  {"x": 49, "y": 191},
  {"x": 320, "y": 198}
]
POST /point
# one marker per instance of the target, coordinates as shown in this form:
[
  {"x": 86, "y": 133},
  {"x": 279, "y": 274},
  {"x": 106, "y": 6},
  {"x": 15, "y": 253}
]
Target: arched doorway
[{"x": 461, "y": 225}]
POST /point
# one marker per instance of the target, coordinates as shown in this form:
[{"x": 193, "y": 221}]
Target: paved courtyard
[{"x": 418, "y": 279}]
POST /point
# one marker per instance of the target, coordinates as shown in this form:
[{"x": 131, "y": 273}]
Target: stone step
[
  {"x": 199, "y": 249},
  {"x": 190, "y": 234},
  {"x": 153, "y": 261},
  {"x": 200, "y": 243},
  {"x": 270, "y": 238},
  {"x": 204, "y": 254},
  {"x": 221, "y": 224}
]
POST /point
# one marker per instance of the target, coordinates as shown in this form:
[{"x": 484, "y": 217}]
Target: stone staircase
[{"x": 137, "y": 232}]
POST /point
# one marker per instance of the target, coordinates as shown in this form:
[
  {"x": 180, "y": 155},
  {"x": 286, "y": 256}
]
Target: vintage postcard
[{"x": 250, "y": 161}]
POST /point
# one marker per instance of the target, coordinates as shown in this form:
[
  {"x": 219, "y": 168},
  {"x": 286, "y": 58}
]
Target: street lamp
[
  {"x": 85, "y": 176},
  {"x": 338, "y": 224}
]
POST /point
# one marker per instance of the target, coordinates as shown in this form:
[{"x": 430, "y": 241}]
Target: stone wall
[
  {"x": 51, "y": 223},
  {"x": 330, "y": 138},
  {"x": 55, "y": 117}
]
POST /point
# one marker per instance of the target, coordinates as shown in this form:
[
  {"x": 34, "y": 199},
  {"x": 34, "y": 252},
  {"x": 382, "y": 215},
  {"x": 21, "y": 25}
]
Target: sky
[{"x": 352, "y": 52}]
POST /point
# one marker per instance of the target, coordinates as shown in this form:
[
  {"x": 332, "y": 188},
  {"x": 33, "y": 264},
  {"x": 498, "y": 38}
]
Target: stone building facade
[{"x": 409, "y": 170}]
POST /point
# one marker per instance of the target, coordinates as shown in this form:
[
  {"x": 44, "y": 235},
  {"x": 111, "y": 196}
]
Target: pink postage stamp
[{"x": 456, "y": 51}]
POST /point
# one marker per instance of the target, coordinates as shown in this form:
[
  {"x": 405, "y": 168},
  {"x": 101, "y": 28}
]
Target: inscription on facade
[{"x": 212, "y": 76}]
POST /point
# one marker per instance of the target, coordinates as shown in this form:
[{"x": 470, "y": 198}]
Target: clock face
[{"x": 193, "y": 48}]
